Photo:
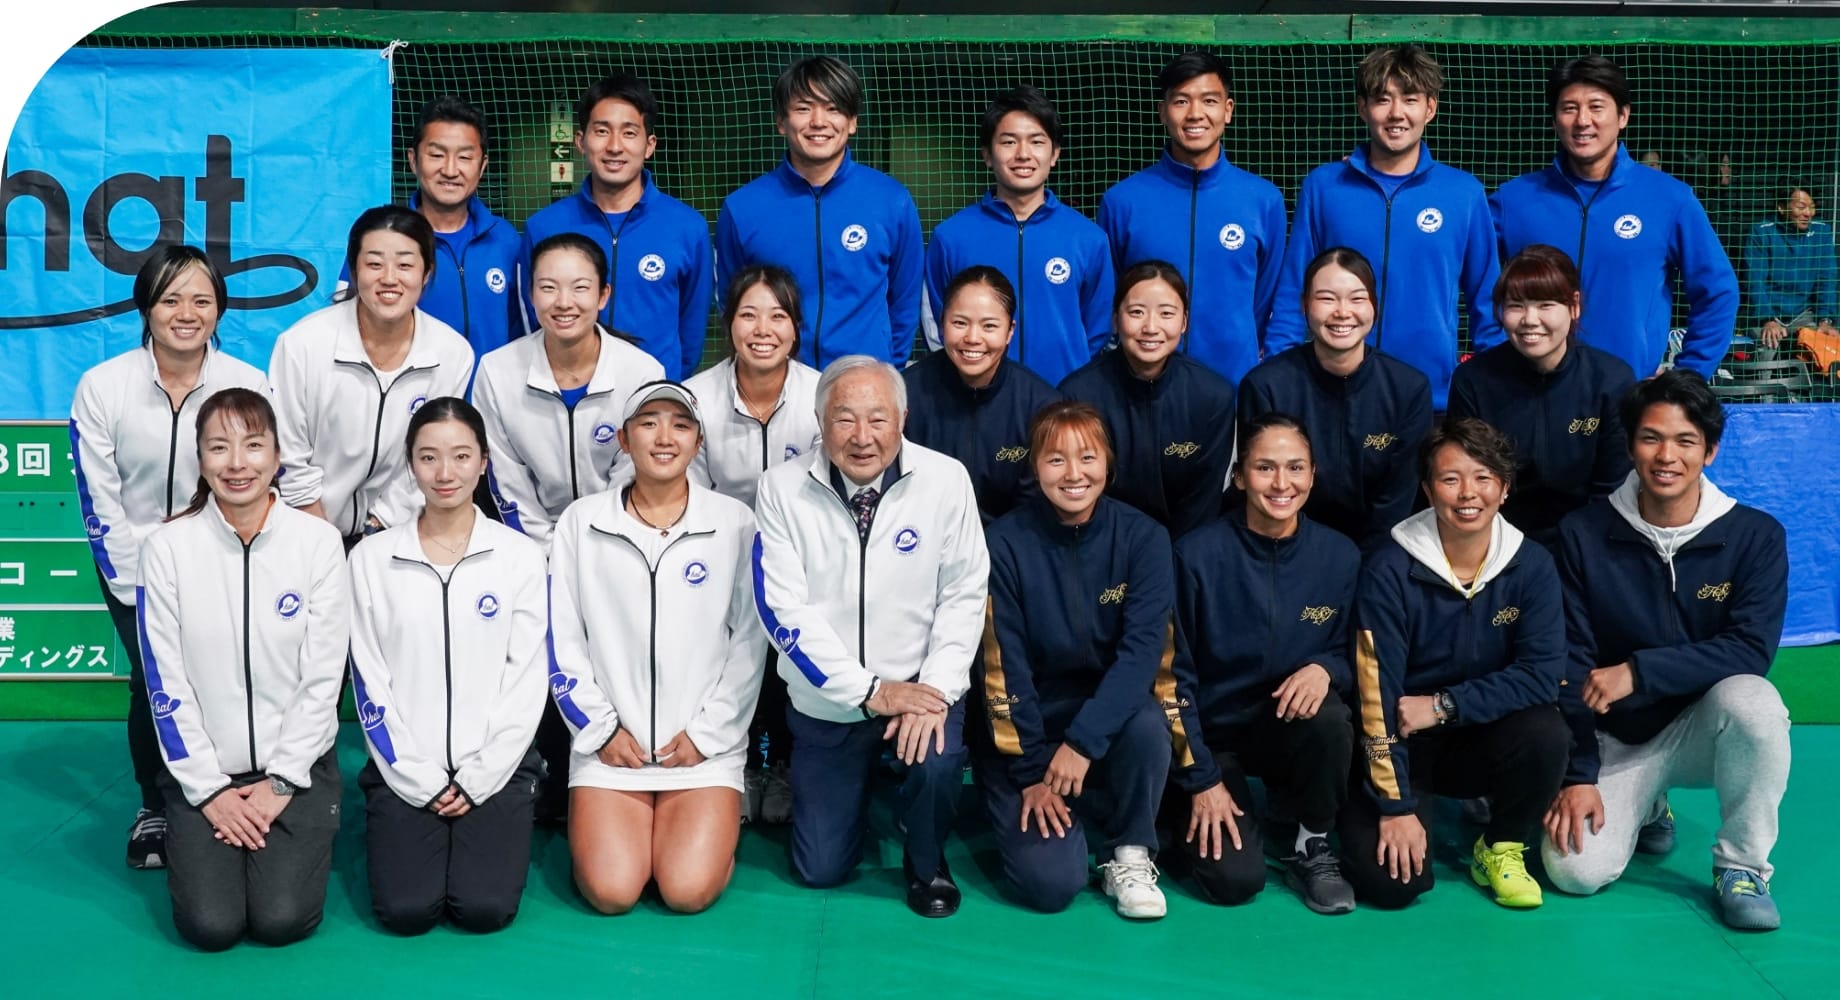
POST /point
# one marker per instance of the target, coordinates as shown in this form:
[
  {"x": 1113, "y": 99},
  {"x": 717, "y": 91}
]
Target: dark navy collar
[{"x": 845, "y": 489}]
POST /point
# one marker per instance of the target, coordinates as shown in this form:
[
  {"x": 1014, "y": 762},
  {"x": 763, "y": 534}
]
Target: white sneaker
[{"x": 1130, "y": 879}]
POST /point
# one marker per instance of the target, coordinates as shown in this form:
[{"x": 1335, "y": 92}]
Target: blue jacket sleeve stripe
[
  {"x": 162, "y": 704},
  {"x": 370, "y": 716},
  {"x": 560, "y": 684},
  {"x": 92, "y": 525},
  {"x": 506, "y": 509},
  {"x": 787, "y": 640}
]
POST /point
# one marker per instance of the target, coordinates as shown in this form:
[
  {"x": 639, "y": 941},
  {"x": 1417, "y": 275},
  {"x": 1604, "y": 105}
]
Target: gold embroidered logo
[
  {"x": 1584, "y": 425},
  {"x": 1506, "y": 616},
  {"x": 1715, "y": 591},
  {"x": 1112, "y": 595},
  {"x": 1181, "y": 449},
  {"x": 1317, "y": 615},
  {"x": 999, "y": 708},
  {"x": 1378, "y": 748},
  {"x": 1379, "y": 442},
  {"x": 1013, "y": 454}
]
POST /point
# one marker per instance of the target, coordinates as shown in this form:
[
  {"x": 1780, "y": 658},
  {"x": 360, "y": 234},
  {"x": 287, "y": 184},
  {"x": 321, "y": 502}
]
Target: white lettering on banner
[
  {"x": 12, "y": 574},
  {"x": 8, "y": 629},
  {"x": 34, "y": 458},
  {"x": 4, "y": 464}
]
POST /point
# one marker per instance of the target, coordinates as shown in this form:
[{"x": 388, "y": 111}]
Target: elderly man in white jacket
[{"x": 874, "y": 538}]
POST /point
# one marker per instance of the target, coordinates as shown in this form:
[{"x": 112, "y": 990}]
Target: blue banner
[
  {"x": 261, "y": 157},
  {"x": 1785, "y": 459}
]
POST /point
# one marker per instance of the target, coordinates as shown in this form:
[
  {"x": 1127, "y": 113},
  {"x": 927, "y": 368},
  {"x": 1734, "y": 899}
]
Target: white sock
[
  {"x": 1130, "y": 852},
  {"x": 1305, "y": 835}
]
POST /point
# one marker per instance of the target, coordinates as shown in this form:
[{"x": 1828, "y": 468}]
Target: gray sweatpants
[{"x": 1735, "y": 740}]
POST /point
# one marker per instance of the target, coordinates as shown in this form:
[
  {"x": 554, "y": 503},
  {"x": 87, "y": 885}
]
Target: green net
[{"x": 1730, "y": 107}]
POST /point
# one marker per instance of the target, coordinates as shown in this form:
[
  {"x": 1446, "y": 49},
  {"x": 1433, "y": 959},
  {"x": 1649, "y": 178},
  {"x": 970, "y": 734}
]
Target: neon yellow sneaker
[{"x": 1501, "y": 868}]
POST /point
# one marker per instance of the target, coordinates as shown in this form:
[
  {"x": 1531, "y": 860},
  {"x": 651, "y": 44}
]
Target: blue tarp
[{"x": 1785, "y": 458}]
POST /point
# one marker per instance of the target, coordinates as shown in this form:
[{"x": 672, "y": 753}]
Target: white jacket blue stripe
[
  {"x": 545, "y": 455},
  {"x": 244, "y": 646},
  {"x": 342, "y": 425},
  {"x": 448, "y": 665},
  {"x": 917, "y": 586},
  {"x": 136, "y": 456}
]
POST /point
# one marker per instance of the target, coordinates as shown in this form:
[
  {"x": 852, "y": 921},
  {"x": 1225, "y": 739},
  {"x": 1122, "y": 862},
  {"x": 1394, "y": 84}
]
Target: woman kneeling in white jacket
[
  {"x": 243, "y": 633},
  {"x": 655, "y": 662},
  {"x": 447, "y": 669}
]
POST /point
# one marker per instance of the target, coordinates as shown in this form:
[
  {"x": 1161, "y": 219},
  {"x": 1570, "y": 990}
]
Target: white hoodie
[
  {"x": 738, "y": 449},
  {"x": 448, "y": 662},
  {"x": 1418, "y": 535},
  {"x": 343, "y": 422},
  {"x": 1714, "y": 503},
  {"x": 244, "y": 646},
  {"x": 657, "y": 634},
  {"x": 136, "y": 456}
]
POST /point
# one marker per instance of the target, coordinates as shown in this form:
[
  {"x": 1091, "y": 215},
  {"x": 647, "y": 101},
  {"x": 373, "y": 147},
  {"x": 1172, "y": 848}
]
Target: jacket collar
[
  {"x": 939, "y": 368},
  {"x": 538, "y": 374},
  {"x": 153, "y": 365},
  {"x": 1048, "y": 520},
  {"x": 1358, "y": 161},
  {"x": 1262, "y": 546},
  {"x": 646, "y": 187},
  {"x": 407, "y": 545},
  {"x": 1189, "y": 176},
  {"x": 995, "y": 206},
  {"x": 348, "y": 346},
  {"x": 1418, "y": 535},
  {"x": 1130, "y": 382},
  {"x": 477, "y": 214},
  {"x": 214, "y": 516},
  {"x": 794, "y": 181},
  {"x": 610, "y": 517},
  {"x": 1340, "y": 385},
  {"x": 1622, "y": 168}
]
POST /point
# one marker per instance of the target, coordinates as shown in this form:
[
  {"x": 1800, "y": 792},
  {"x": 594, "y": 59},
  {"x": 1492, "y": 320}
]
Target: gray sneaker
[
  {"x": 1316, "y": 875},
  {"x": 776, "y": 795},
  {"x": 753, "y": 782}
]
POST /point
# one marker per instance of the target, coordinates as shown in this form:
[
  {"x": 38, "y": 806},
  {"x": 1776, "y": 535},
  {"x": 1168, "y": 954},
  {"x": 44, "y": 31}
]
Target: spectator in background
[{"x": 1789, "y": 271}]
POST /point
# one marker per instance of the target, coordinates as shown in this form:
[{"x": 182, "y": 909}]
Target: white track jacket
[
  {"x": 544, "y": 455},
  {"x": 907, "y": 604},
  {"x": 342, "y": 423},
  {"x": 447, "y": 663},
  {"x": 137, "y": 457},
  {"x": 656, "y": 647},
  {"x": 736, "y": 447},
  {"x": 244, "y": 646}
]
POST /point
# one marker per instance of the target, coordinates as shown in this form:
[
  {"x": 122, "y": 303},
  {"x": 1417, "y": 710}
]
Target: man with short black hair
[
  {"x": 1423, "y": 224},
  {"x": 1220, "y": 226},
  {"x": 849, "y": 233},
  {"x": 1632, "y": 230},
  {"x": 658, "y": 258},
  {"x": 1057, "y": 259},
  {"x": 1674, "y": 601}
]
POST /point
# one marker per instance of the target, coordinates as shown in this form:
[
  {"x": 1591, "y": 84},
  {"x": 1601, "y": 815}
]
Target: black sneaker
[
  {"x": 147, "y": 840},
  {"x": 1316, "y": 875}
]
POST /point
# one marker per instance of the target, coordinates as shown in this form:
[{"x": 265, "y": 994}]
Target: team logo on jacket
[
  {"x": 94, "y": 528},
  {"x": 560, "y": 684},
  {"x": 1715, "y": 592},
  {"x": 855, "y": 237},
  {"x": 787, "y": 639},
  {"x": 287, "y": 605},
  {"x": 1318, "y": 615},
  {"x": 651, "y": 267},
  {"x": 695, "y": 572},
  {"x": 1378, "y": 442},
  {"x": 1584, "y": 425},
  {"x": 1628, "y": 226},
  {"x": 1232, "y": 236},
  {"x": 1058, "y": 270},
  {"x": 495, "y": 280},
  {"x": 906, "y": 540},
  {"x": 603, "y": 433},
  {"x": 792, "y": 452},
  {"x": 416, "y": 404},
  {"x": 1113, "y": 595},
  {"x": 1181, "y": 449},
  {"x": 1014, "y": 453},
  {"x": 370, "y": 715},
  {"x": 164, "y": 705},
  {"x": 1506, "y": 616},
  {"x": 487, "y": 605},
  {"x": 1430, "y": 220}
]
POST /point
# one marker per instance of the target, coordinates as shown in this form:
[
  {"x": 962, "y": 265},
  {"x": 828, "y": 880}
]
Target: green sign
[
  {"x": 37, "y": 643},
  {"x": 53, "y": 622},
  {"x": 35, "y": 458}
]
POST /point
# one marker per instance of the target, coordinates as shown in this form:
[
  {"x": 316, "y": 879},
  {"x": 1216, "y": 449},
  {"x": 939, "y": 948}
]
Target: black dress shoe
[{"x": 932, "y": 897}]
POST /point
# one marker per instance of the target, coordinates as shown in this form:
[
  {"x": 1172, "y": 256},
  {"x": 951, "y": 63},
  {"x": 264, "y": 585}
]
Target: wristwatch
[
  {"x": 1445, "y": 706},
  {"x": 280, "y": 786}
]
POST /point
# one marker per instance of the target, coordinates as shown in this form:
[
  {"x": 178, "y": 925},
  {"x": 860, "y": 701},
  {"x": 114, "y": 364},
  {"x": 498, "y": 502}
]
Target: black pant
[
  {"x": 1304, "y": 764},
  {"x": 1119, "y": 798},
  {"x": 143, "y": 746},
  {"x": 275, "y": 895},
  {"x": 1517, "y": 762},
  {"x": 769, "y": 724},
  {"x": 423, "y": 866}
]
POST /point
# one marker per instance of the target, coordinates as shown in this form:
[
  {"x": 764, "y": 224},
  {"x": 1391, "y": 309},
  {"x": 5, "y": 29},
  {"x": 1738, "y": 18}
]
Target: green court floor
[{"x": 74, "y": 921}]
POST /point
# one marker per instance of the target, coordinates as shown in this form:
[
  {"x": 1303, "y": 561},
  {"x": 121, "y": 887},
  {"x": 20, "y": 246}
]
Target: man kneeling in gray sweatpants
[{"x": 1674, "y": 597}]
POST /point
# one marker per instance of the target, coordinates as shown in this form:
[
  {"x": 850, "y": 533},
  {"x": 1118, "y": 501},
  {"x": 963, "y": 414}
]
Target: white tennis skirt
[{"x": 589, "y": 771}]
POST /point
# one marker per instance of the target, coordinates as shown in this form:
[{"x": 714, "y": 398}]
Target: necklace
[
  {"x": 754, "y": 409},
  {"x": 453, "y": 550},
  {"x": 632, "y": 505}
]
